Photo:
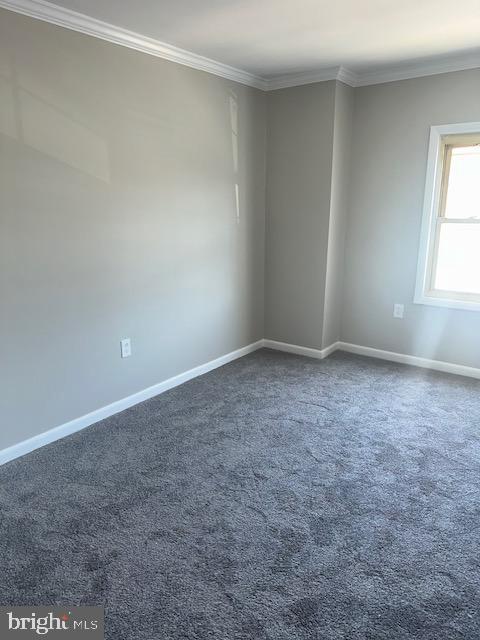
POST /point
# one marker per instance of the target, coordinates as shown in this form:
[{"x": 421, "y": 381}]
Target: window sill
[{"x": 435, "y": 301}]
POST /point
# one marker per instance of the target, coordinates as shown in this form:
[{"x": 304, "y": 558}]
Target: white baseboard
[
  {"x": 416, "y": 361},
  {"x": 26, "y": 446},
  {"x": 300, "y": 351},
  {"x": 20, "y": 449},
  {"x": 403, "y": 358}
]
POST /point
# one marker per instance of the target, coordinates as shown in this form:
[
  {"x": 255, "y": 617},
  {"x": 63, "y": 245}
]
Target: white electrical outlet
[
  {"x": 125, "y": 348},
  {"x": 398, "y": 310}
]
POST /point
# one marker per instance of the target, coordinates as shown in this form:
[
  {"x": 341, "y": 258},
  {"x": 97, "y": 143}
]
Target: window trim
[{"x": 431, "y": 223}]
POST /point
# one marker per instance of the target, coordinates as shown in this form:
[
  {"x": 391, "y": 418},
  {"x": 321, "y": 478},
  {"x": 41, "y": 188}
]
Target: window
[{"x": 449, "y": 259}]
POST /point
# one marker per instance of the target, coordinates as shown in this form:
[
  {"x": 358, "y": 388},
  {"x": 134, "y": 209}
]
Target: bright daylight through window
[{"x": 449, "y": 265}]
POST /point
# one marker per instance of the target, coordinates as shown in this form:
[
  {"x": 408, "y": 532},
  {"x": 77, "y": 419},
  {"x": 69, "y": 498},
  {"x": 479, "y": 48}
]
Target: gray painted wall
[
  {"x": 118, "y": 219},
  {"x": 389, "y": 157},
  {"x": 299, "y": 170},
  {"x": 339, "y": 200},
  {"x": 308, "y": 156}
]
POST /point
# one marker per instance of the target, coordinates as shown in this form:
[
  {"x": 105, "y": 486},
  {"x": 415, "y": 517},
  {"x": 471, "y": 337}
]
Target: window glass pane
[
  {"x": 458, "y": 263},
  {"x": 463, "y": 194}
]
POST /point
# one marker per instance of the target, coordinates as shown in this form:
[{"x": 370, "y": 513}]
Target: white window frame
[{"x": 431, "y": 223}]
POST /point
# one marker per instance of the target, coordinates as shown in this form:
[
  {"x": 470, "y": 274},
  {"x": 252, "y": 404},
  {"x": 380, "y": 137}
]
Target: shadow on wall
[
  {"x": 434, "y": 328},
  {"x": 47, "y": 128}
]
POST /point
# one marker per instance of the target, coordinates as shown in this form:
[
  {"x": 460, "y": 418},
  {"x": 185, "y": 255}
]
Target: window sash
[
  {"x": 463, "y": 134},
  {"x": 433, "y": 259},
  {"x": 450, "y": 143},
  {"x": 447, "y": 146}
]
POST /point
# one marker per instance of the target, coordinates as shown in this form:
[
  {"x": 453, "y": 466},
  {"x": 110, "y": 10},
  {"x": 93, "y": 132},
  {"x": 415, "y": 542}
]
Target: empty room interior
[{"x": 240, "y": 309}]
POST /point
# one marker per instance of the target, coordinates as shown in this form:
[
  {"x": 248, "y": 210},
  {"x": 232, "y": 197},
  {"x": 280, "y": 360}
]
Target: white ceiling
[{"x": 275, "y": 37}]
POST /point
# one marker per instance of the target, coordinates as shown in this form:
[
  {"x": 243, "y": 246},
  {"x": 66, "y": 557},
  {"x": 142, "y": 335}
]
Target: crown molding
[
  {"x": 48, "y": 12},
  {"x": 347, "y": 76},
  {"x": 309, "y": 77},
  {"x": 381, "y": 75},
  {"x": 419, "y": 69}
]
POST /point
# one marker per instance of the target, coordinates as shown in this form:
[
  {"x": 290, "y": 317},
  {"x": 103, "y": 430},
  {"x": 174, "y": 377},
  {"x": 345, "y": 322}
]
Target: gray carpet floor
[{"x": 278, "y": 498}]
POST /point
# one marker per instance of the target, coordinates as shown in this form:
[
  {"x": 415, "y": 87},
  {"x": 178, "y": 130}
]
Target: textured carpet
[{"x": 278, "y": 498}]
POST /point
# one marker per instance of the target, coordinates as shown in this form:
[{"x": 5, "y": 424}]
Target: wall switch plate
[
  {"x": 398, "y": 310},
  {"x": 125, "y": 348}
]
